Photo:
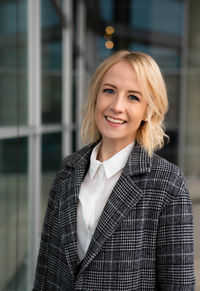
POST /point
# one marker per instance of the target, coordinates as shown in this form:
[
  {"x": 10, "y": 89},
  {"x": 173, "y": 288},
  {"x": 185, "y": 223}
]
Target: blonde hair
[{"x": 150, "y": 134}]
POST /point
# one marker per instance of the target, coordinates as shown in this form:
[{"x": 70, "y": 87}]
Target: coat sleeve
[
  {"x": 175, "y": 270},
  {"x": 42, "y": 262}
]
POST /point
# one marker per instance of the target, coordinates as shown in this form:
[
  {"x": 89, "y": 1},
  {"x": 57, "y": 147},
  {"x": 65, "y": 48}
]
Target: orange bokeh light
[
  {"x": 109, "y": 29},
  {"x": 109, "y": 44}
]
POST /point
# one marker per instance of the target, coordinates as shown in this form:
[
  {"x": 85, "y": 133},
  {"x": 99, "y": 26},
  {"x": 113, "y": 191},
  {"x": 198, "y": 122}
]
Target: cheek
[
  {"x": 97, "y": 113},
  {"x": 141, "y": 112},
  {"x": 98, "y": 108},
  {"x": 137, "y": 116}
]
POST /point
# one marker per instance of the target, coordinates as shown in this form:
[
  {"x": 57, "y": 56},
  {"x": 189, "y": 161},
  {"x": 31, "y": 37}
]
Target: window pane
[
  {"x": 13, "y": 214},
  {"x": 167, "y": 58},
  {"x": 13, "y": 61},
  {"x": 51, "y": 64},
  {"x": 51, "y": 160},
  {"x": 51, "y": 98},
  {"x": 106, "y": 9},
  {"x": 164, "y": 16}
]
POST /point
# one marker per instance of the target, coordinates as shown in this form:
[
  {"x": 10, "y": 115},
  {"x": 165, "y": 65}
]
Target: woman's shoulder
[
  {"x": 77, "y": 159},
  {"x": 162, "y": 165},
  {"x": 169, "y": 174}
]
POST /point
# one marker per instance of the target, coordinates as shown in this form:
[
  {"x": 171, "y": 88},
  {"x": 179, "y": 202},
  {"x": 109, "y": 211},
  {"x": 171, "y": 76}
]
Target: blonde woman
[{"x": 119, "y": 217}]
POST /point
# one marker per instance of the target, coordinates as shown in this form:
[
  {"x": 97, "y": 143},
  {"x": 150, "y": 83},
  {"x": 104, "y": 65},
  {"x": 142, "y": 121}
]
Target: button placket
[{"x": 94, "y": 198}]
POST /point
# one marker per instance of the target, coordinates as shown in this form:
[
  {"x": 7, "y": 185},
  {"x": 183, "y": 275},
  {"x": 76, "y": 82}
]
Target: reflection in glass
[
  {"x": 167, "y": 58},
  {"x": 49, "y": 16},
  {"x": 51, "y": 64},
  {"x": 51, "y": 160},
  {"x": 164, "y": 16},
  {"x": 106, "y": 10},
  {"x": 192, "y": 155},
  {"x": 13, "y": 99},
  {"x": 170, "y": 150},
  {"x": 51, "y": 99},
  {"x": 13, "y": 214},
  {"x": 13, "y": 61}
]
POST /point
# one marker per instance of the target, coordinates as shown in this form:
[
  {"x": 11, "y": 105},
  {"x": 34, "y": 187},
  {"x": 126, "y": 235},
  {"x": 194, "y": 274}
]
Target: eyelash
[
  {"x": 135, "y": 97},
  {"x": 108, "y": 91},
  {"x": 111, "y": 91}
]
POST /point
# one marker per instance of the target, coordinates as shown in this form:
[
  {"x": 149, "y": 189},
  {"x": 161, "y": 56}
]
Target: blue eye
[
  {"x": 108, "y": 90},
  {"x": 133, "y": 97}
]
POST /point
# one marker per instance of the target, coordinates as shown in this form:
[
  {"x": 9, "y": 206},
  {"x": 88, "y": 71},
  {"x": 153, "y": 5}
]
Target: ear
[{"x": 146, "y": 115}]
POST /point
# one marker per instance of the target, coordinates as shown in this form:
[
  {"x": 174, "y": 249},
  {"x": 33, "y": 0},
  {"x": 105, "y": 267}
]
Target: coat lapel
[
  {"x": 123, "y": 198},
  {"x": 117, "y": 208},
  {"x": 74, "y": 170}
]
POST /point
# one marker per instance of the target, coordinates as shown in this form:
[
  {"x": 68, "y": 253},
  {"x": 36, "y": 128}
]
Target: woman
[{"x": 119, "y": 217}]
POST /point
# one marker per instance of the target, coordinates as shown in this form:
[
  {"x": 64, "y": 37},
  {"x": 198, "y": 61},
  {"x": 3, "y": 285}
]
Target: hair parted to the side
[{"x": 151, "y": 133}]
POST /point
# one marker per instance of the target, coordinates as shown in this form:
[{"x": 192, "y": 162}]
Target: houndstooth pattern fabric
[{"x": 144, "y": 238}]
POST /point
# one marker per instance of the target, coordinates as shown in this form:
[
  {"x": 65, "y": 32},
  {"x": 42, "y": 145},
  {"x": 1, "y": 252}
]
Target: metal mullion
[
  {"x": 67, "y": 55},
  {"x": 26, "y": 131},
  {"x": 81, "y": 74},
  {"x": 34, "y": 111},
  {"x": 183, "y": 90}
]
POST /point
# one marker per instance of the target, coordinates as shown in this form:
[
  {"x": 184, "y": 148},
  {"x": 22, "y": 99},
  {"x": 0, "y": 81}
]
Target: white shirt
[{"x": 94, "y": 193}]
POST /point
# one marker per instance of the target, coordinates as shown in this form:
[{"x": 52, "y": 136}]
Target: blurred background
[{"x": 48, "y": 51}]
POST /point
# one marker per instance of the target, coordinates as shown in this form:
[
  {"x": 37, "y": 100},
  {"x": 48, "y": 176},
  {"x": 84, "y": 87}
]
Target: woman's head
[{"x": 150, "y": 132}]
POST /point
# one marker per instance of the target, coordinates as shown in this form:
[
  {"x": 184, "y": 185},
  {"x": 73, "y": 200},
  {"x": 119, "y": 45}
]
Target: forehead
[
  {"x": 120, "y": 67},
  {"x": 122, "y": 73}
]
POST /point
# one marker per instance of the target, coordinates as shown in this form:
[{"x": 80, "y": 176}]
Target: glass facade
[
  {"x": 13, "y": 63},
  {"x": 48, "y": 51},
  {"x": 51, "y": 157},
  {"x": 51, "y": 64},
  {"x": 13, "y": 213},
  {"x": 13, "y": 148}
]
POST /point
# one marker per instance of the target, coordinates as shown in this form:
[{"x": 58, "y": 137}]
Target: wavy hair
[{"x": 151, "y": 133}]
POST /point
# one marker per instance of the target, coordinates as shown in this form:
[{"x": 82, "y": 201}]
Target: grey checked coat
[{"x": 144, "y": 238}]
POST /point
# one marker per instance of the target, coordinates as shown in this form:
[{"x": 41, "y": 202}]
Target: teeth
[{"x": 115, "y": 120}]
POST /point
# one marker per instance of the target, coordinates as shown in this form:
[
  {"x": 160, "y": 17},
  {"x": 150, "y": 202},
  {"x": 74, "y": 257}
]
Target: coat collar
[
  {"x": 139, "y": 162},
  {"x": 81, "y": 158}
]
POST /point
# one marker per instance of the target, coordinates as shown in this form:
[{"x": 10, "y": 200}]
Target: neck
[{"x": 109, "y": 149}]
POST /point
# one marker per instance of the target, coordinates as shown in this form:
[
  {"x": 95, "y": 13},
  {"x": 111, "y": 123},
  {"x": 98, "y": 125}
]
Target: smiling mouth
[{"x": 115, "y": 120}]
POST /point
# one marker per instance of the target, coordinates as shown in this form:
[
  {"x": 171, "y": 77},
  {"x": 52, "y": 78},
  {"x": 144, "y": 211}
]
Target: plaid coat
[{"x": 144, "y": 238}]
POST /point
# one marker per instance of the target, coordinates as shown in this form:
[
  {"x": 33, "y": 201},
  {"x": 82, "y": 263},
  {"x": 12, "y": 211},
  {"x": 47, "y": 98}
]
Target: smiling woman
[
  {"x": 119, "y": 217},
  {"x": 119, "y": 113},
  {"x": 140, "y": 76}
]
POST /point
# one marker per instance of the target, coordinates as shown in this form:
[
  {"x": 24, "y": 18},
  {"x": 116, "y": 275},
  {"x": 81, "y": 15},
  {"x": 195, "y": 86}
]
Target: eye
[
  {"x": 108, "y": 91},
  {"x": 133, "y": 97}
]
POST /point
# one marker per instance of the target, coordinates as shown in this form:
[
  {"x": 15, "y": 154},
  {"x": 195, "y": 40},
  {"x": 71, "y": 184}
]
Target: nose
[{"x": 117, "y": 105}]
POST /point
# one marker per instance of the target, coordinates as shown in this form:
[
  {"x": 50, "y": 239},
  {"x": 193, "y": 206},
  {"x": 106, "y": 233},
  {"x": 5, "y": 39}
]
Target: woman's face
[{"x": 120, "y": 106}]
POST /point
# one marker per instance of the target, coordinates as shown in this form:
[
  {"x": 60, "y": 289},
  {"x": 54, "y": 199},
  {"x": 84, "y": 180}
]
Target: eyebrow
[{"x": 129, "y": 91}]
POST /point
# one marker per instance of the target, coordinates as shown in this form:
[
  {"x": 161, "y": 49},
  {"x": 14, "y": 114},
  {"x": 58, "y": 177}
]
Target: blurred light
[
  {"x": 109, "y": 29},
  {"x": 109, "y": 44},
  {"x": 107, "y": 36}
]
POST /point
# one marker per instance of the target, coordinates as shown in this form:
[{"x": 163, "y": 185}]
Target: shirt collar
[{"x": 112, "y": 165}]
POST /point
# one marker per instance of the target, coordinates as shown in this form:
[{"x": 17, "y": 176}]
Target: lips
[{"x": 115, "y": 120}]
